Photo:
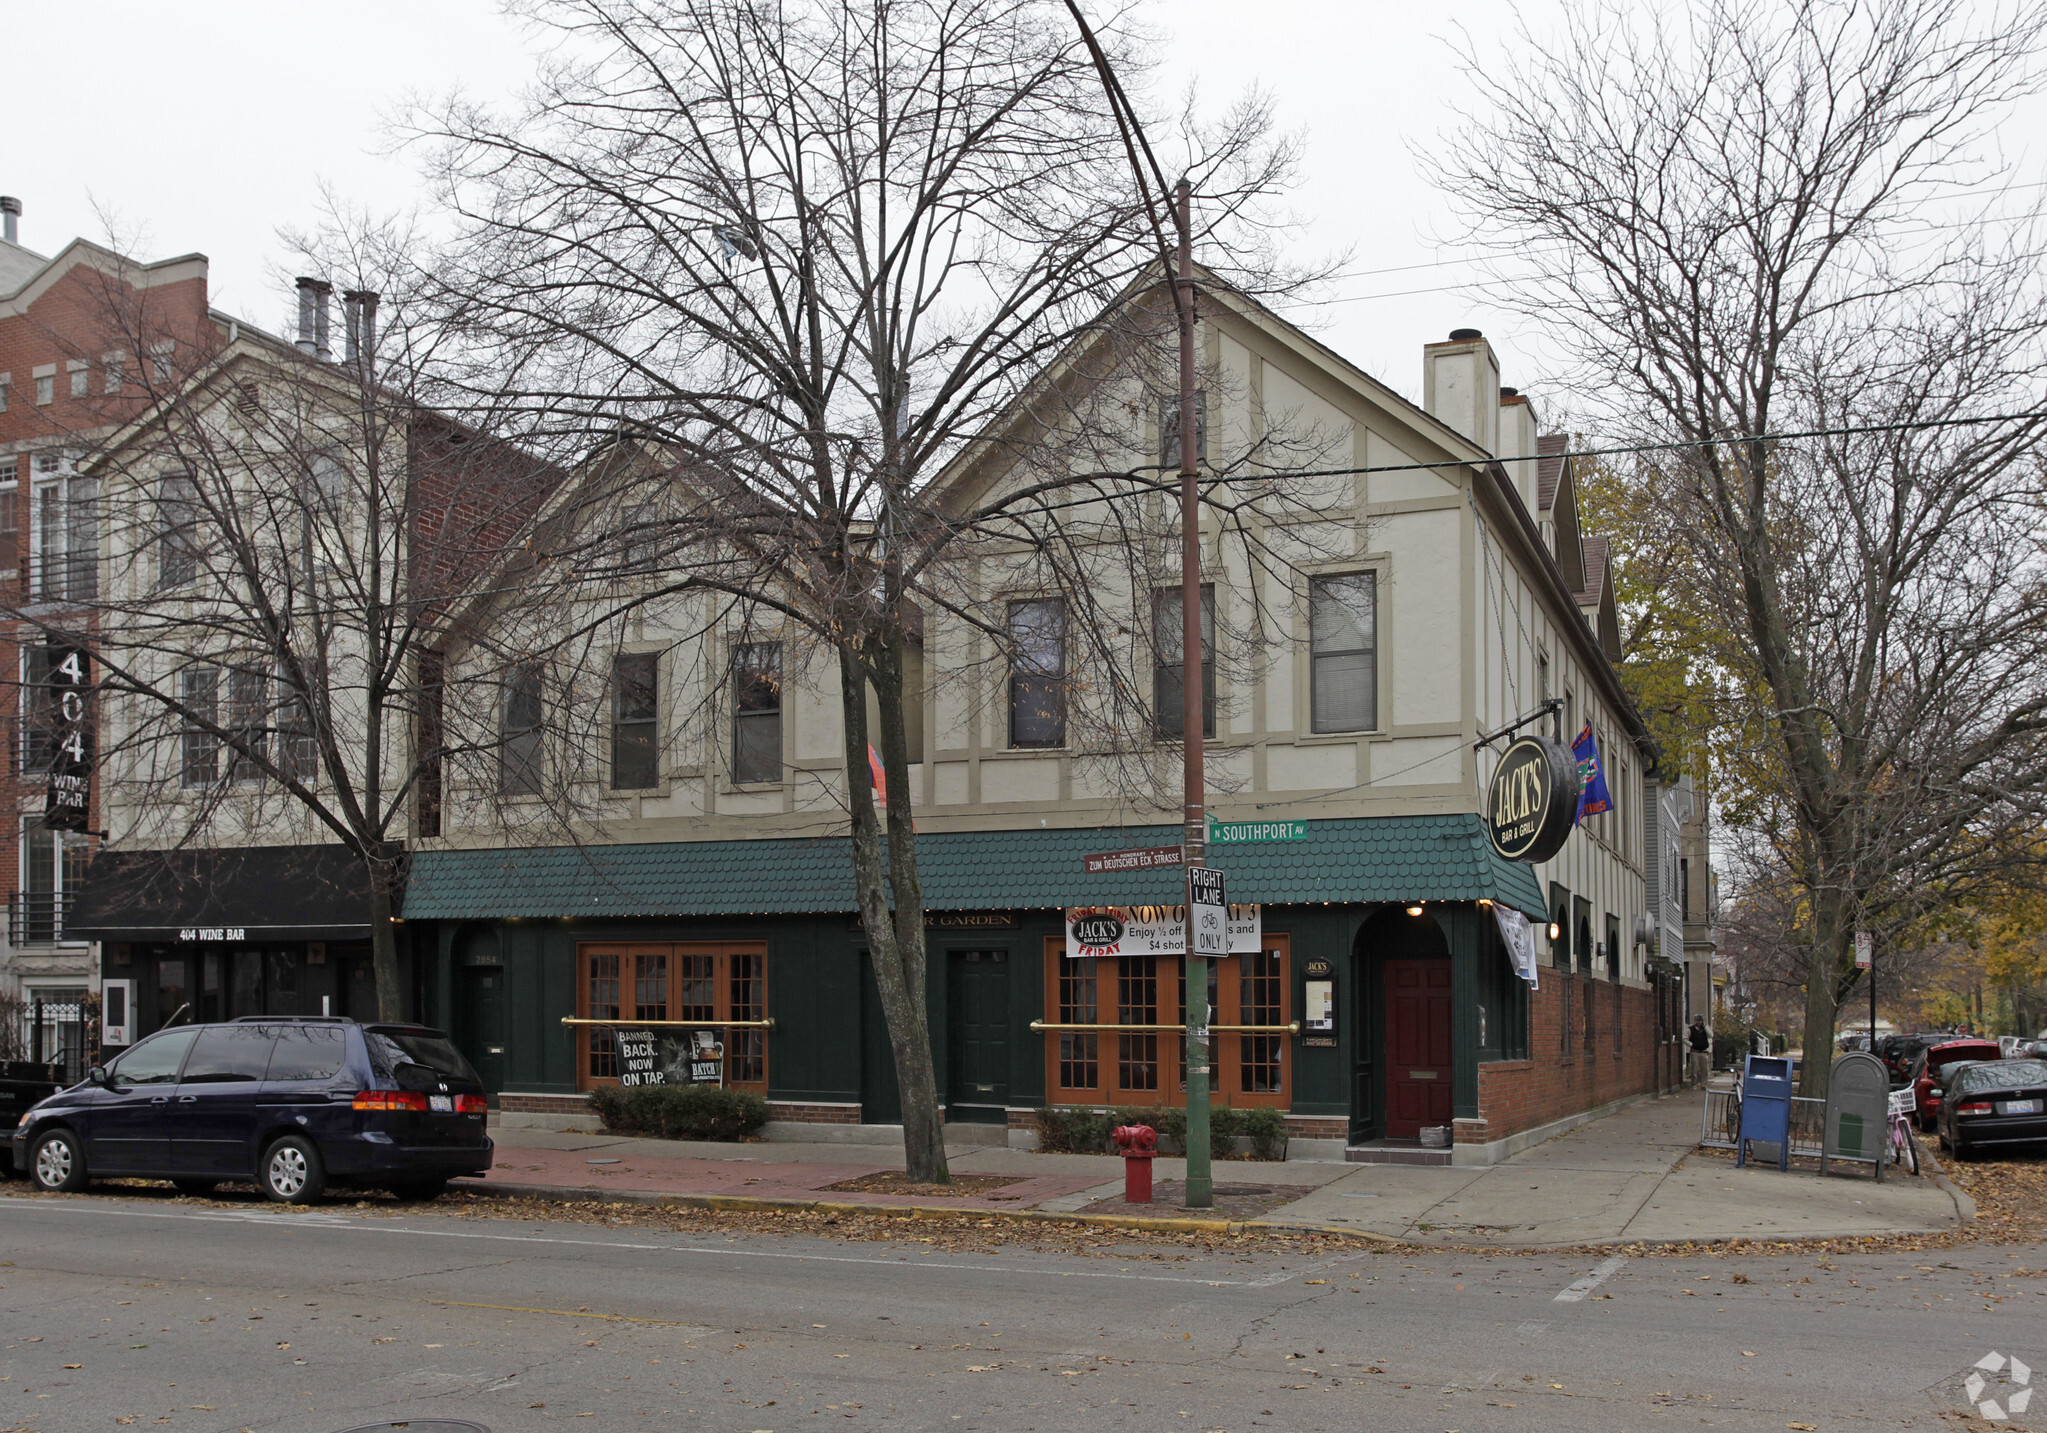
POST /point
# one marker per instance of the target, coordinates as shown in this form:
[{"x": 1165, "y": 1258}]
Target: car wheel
[
  {"x": 197, "y": 1187},
  {"x": 1944, "y": 1141},
  {"x": 1926, "y": 1124},
  {"x": 292, "y": 1172},
  {"x": 57, "y": 1163},
  {"x": 420, "y": 1189},
  {"x": 1962, "y": 1152}
]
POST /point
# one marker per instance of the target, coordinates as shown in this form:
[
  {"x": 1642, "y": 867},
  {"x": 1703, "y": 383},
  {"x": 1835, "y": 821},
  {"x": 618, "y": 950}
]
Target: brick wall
[
  {"x": 812, "y": 1114},
  {"x": 1517, "y": 1095},
  {"x": 545, "y": 1104}
]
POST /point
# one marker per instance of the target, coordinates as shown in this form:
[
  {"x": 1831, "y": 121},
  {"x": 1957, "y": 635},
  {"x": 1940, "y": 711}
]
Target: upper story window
[
  {"x": 1037, "y": 672},
  {"x": 6, "y": 382},
  {"x": 177, "y": 530},
  {"x": 1169, "y": 431},
  {"x": 46, "y": 383},
  {"x": 635, "y": 721},
  {"x": 520, "y": 733},
  {"x": 80, "y": 374},
  {"x": 1167, "y": 694},
  {"x": 757, "y": 712},
  {"x": 113, "y": 373},
  {"x": 64, "y": 563},
  {"x": 1343, "y": 652},
  {"x": 324, "y": 497},
  {"x": 199, "y": 753}
]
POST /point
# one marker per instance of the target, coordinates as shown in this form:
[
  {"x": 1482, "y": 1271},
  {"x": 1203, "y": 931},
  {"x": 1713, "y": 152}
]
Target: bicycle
[{"x": 1904, "y": 1147}]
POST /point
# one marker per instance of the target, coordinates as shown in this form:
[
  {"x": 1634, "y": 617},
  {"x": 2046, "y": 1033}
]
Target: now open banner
[{"x": 1093, "y": 931}]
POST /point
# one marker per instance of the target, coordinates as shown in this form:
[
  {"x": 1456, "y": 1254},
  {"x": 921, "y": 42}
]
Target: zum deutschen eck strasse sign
[{"x": 1532, "y": 803}]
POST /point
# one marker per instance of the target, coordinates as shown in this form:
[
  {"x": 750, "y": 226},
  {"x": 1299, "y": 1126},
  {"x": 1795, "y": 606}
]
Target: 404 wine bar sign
[
  {"x": 1532, "y": 803},
  {"x": 67, "y": 803}
]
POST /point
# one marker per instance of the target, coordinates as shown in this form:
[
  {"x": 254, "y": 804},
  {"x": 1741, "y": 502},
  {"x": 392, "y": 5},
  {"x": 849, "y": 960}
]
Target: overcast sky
[{"x": 210, "y": 125}]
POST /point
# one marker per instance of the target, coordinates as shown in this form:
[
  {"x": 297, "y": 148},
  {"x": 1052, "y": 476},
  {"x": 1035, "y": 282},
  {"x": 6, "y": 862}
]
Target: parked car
[
  {"x": 1996, "y": 1102},
  {"x": 1926, "y": 1073},
  {"x": 1898, "y": 1052},
  {"x": 22, "y": 1084},
  {"x": 293, "y": 1104}
]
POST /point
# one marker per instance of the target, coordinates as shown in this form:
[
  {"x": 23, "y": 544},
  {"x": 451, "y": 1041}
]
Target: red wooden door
[{"x": 1418, "y": 1070}]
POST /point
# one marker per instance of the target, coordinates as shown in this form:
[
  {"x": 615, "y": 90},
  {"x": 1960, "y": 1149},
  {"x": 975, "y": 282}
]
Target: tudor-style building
[{"x": 1449, "y": 593}]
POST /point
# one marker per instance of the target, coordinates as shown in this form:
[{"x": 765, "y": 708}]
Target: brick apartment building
[{"x": 86, "y": 339}]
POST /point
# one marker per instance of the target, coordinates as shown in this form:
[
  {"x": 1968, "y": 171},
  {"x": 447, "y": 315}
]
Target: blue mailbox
[{"x": 1766, "y": 1107}]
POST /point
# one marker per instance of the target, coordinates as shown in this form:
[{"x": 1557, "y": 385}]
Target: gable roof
[
  {"x": 1595, "y": 551},
  {"x": 1549, "y": 468}
]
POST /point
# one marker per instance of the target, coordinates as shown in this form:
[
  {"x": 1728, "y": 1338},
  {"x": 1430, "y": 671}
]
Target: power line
[{"x": 2035, "y": 416}]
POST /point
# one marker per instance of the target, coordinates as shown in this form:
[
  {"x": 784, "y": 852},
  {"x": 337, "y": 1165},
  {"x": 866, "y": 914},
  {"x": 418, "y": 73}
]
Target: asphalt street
[{"x": 122, "y": 1311}]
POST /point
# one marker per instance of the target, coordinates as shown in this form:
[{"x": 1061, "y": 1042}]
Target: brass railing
[
  {"x": 623, "y": 1024},
  {"x": 1292, "y": 1027}
]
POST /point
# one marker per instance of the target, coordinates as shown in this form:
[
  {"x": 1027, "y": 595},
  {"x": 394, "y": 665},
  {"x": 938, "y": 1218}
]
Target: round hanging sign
[{"x": 1532, "y": 803}]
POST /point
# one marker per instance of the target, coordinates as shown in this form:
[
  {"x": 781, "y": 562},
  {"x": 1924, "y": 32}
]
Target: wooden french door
[
  {"x": 707, "y": 981},
  {"x": 1418, "y": 1046},
  {"x": 1148, "y": 1067}
]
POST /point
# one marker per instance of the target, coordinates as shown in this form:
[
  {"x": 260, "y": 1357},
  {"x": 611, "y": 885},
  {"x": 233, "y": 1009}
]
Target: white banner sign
[
  {"x": 1519, "y": 936},
  {"x": 1149, "y": 930}
]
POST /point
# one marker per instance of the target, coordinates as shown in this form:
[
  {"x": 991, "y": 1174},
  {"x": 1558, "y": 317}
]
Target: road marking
[
  {"x": 1533, "y": 1326},
  {"x": 1591, "y": 1281},
  {"x": 340, "y": 1225},
  {"x": 565, "y": 1313}
]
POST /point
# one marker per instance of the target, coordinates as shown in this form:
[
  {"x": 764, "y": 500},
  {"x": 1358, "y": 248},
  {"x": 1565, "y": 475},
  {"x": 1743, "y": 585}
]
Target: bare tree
[
  {"x": 807, "y": 253},
  {"x": 1775, "y": 233},
  {"x": 277, "y": 542}
]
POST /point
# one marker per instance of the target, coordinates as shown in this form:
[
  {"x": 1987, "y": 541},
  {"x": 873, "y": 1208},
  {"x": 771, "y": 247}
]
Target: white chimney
[
  {"x": 1517, "y": 442},
  {"x": 10, "y": 218},
  {"x": 1461, "y": 386}
]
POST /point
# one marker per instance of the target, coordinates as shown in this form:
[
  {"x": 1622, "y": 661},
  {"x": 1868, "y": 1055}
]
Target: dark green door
[
  {"x": 881, "y": 1101},
  {"x": 978, "y": 1036},
  {"x": 481, "y": 1032}
]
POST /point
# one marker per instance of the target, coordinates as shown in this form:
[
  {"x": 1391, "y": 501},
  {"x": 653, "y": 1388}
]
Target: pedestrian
[{"x": 1702, "y": 1051}]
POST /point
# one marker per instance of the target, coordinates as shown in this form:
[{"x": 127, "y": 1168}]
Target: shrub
[
  {"x": 679, "y": 1111},
  {"x": 1073, "y": 1129}
]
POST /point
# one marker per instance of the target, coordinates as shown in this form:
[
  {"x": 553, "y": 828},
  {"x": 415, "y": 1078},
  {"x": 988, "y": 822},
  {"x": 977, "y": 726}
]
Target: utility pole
[
  {"x": 1194, "y": 833},
  {"x": 1194, "y": 830}
]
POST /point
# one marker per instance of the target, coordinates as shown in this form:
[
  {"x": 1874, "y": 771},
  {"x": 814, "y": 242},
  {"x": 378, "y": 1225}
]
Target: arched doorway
[{"x": 1402, "y": 1067}]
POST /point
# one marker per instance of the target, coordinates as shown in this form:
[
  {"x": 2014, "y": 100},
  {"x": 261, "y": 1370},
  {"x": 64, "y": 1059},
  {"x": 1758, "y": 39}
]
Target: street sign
[
  {"x": 1142, "y": 858},
  {"x": 1240, "y": 833},
  {"x": 1208, "y": 911},
  {"x": 1865, "y": 949}
]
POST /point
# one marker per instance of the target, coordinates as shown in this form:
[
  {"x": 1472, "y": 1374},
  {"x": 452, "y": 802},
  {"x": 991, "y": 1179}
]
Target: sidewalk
[{"x": 1634, "y": 1175}]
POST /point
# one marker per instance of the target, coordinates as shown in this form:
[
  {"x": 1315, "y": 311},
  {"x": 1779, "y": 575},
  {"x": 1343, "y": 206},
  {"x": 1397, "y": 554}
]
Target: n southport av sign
[{"x": 1533, "y": 801}]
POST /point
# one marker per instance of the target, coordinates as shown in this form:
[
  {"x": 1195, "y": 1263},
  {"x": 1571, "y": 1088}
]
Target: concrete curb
[
  {"x": 760, "y": 1204},
  {"x": 1965, "y": 1206}
]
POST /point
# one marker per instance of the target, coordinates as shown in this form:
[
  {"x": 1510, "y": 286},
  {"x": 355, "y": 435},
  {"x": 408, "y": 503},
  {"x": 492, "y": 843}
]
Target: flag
[
  {"x": 876, "y": 776},
  {"x": 1593, "y": 797},
  {"x": 1519, "y": 937}
]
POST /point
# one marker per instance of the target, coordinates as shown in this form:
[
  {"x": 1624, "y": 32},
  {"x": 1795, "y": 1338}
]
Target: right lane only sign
[{"x": 1208, "y": 911}]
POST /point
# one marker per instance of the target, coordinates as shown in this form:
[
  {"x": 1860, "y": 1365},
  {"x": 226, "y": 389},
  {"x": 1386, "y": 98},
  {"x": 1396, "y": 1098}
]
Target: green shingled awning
[{"x": 1385, "y": 858}]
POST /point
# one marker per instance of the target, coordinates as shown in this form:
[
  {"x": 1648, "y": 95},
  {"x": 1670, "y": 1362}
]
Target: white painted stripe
[
  {"x": 1591, "y": 1281},
  {"x": 341, "y": 1224}
]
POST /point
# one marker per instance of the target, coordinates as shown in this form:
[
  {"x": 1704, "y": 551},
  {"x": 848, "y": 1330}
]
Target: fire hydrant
[{"x": 1139, "y": 1144}]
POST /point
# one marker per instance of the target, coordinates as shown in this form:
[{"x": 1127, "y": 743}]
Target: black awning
[{"x": 227, "y": 893}]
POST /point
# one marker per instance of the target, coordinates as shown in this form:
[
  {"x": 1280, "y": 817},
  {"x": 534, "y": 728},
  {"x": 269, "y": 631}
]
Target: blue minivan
[{"x": 294, "y": 1104}]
